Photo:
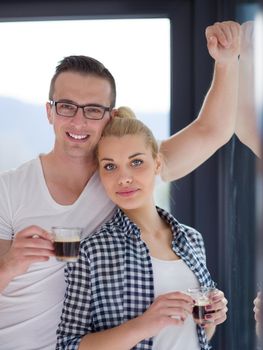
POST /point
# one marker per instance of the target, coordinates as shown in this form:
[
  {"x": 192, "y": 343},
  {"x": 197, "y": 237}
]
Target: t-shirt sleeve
[{"x": 6, "y": 230}]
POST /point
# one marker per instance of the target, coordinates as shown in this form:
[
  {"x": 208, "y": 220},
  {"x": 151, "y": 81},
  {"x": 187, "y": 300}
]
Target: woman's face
[{"x": 127, "y": 170}]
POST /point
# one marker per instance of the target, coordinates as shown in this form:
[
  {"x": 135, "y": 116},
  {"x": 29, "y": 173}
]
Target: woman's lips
[{"x": 127, "y": 192}]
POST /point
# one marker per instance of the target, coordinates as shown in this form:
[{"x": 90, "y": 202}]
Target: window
[{"x": 136, "y": 51}]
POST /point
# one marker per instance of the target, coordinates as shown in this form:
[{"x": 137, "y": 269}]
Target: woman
[{"x": 128, "y": 288}]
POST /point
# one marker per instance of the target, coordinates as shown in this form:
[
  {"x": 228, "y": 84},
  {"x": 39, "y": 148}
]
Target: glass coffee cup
[
  {"x": 202, "y": 297},
  {"x": 66, "y": 243}
]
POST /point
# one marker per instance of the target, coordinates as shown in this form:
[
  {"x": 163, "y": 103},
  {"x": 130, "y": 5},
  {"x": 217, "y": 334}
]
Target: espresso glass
[
  {"x": 66, "y": 243},
  {"x": 202, "y": 297}
]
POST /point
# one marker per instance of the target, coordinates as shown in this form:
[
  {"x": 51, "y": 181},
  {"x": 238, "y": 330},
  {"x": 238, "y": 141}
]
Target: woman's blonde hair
[{"x": 125, "y": 123}]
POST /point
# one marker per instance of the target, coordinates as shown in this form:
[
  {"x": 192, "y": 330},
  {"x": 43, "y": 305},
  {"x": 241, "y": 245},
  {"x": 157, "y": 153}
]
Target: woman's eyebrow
[
  {"x": 136, "y": 155},
  {"x": 107, "y": 159}
]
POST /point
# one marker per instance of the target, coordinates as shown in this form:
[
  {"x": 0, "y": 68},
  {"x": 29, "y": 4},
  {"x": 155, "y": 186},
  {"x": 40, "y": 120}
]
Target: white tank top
[{"x": 171, "y": 276}]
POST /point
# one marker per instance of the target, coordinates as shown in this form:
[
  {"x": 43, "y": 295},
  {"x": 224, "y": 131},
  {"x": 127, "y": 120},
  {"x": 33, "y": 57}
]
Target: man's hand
[
  {"x": 223, "y": 41},
  {"x": 31, "y": 245}
]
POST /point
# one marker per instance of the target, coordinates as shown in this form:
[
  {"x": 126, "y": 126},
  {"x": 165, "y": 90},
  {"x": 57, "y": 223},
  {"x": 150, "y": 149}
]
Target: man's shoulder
[{"x": 24, "y": 168}]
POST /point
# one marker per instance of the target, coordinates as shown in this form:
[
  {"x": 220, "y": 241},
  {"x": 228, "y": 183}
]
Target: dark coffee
[
  {"x": 199, "y": 312},
  {"x": 66, "y": 251}
]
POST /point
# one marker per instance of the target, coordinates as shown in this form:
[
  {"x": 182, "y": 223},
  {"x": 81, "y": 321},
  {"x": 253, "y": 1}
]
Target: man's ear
[{"x": 49, "y": 114}]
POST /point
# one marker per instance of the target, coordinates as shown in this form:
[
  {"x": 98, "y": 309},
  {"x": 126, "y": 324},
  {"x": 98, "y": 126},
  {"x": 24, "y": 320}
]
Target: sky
[{"x": 136, "y": 51}]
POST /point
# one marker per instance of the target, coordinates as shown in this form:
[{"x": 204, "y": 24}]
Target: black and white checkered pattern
[{"x": 112, "y": 282}]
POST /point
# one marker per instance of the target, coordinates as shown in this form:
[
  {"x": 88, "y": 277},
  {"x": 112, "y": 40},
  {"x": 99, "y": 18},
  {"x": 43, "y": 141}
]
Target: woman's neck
[{"x": 147, "y": 219}]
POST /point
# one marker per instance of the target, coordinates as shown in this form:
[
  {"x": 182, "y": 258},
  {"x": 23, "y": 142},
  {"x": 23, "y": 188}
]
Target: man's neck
[{"x": 66, "y": 178}]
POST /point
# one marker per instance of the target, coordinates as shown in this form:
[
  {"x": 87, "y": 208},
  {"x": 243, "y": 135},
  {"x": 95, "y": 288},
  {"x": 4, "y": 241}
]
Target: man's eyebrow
[{"x": 66, "y": 100}]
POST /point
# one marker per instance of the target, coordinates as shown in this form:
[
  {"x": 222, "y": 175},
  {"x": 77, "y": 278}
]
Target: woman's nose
[{"x": 125, "y": 180}]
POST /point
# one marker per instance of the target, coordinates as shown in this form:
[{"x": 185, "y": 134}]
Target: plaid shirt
[{"x": 112, "y": 282}]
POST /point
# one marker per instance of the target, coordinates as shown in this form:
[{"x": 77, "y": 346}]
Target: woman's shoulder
[
  {"x": 191, "y": 232},
  {"x": 187, "y": 230},
  {"x": 110, "y": 230}
]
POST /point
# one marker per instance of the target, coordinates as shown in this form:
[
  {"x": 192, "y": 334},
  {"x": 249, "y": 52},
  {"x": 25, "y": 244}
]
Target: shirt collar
[{"x": 129, "y": 228}]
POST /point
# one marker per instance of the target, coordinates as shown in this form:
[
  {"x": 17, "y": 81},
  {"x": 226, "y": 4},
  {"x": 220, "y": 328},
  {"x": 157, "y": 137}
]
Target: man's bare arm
[
  {"x": 215, "y": 124},
  {"x": 4, "y": 276}
]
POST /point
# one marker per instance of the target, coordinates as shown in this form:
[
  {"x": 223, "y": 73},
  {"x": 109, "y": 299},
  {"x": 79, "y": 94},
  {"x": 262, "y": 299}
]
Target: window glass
[{"x": 136, "y": 51}]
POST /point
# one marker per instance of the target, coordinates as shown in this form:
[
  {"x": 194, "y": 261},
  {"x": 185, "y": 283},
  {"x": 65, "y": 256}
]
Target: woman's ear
[
  {"x": 113, "y": 113},
  {"x": 158, "y": 164}
]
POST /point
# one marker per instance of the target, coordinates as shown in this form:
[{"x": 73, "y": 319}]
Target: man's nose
[{"x": 79, "y": 117}]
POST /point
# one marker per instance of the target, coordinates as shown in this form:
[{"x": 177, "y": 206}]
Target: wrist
[
  {"x": 226, "y": 65},
  {"x": 5, "y": 276},
  {"x": 6, "y": 270},
  {"x": 142, "y": 328}
]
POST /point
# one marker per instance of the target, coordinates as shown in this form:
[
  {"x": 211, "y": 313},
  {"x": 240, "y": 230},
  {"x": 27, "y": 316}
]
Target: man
[{"x": 63, "y": 188}]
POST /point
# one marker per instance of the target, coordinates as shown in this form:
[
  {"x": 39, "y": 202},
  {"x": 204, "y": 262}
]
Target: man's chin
[{"x": 80, "y": 153}]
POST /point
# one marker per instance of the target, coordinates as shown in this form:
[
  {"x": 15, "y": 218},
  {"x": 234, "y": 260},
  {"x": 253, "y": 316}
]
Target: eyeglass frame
[{"x": 54, "y": 103}]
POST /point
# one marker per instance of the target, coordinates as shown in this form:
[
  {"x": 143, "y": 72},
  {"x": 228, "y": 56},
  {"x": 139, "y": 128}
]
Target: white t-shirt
[
  {"x": 31, "y": 304},
  {"x": 171, "y": 276}
]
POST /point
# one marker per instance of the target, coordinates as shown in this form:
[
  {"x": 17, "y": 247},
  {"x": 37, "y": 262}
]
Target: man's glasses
[{"x": 69, "y": 110}]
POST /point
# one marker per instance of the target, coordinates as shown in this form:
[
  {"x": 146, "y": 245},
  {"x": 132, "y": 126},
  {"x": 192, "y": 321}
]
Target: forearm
[
  {"x": 123, "y": 337},
  {"x": 218, "y": 114},
  {"x": 190, "y": 147},
  {"x": 5, "y": 275}
]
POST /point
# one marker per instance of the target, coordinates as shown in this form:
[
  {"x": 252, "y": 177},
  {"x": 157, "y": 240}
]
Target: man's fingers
[
  {"x": 225, "y": 36},
  {"x": 225, "y": 33},
  {"x": 217, "y": 32},
  {"x": 38, "y": 252},
  {"x": 212, "y": 45},
  {"x": 36, "y": 243},
  {"x": 36, "y": 259},
  {"x": 35, "y": 232}
]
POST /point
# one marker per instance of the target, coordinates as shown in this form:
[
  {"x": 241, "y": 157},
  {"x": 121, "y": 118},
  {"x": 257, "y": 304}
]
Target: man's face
[{"x": 78, "y": 136}]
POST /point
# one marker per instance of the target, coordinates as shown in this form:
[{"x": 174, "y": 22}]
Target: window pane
[{"x": 136, "y": 51}]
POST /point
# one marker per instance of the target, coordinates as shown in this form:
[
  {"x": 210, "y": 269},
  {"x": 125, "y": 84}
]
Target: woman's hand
[
  {"x": 166, "y": 310},
  {"x": 217, "y": 309}
]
